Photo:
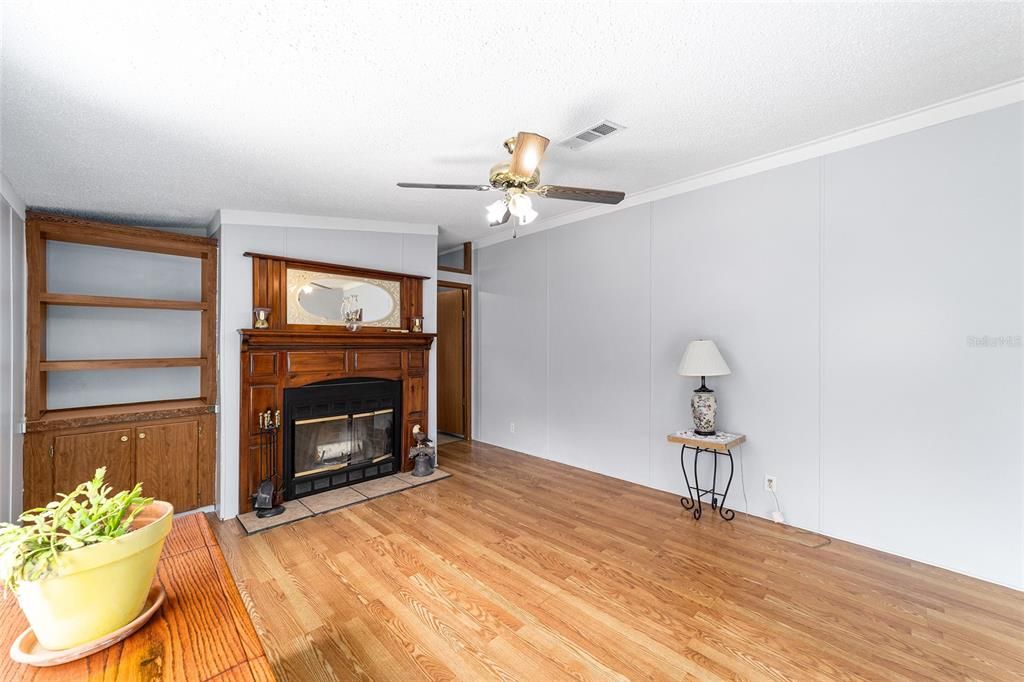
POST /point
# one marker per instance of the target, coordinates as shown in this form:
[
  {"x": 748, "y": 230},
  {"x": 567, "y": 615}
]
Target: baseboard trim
[{"x": 767, "y": 519}]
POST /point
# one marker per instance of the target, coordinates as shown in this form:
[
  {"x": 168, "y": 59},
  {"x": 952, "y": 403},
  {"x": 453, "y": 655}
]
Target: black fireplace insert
[{"x": 340, "y": 432}]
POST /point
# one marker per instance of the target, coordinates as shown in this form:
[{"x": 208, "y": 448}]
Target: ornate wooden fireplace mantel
[{"x": 287, "y": 355}]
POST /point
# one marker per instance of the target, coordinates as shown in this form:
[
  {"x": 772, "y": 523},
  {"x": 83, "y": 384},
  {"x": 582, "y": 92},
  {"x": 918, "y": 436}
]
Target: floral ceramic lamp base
[{"x": 704, "y": 406}]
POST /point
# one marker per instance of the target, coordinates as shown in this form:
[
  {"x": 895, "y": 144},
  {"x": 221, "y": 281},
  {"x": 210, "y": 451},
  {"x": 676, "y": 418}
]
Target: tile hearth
[{"x": 330, "y": 500}]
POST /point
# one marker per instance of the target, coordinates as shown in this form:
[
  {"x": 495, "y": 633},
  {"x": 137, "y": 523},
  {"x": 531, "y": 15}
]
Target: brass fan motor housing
[{"x": 501, "y": 178}]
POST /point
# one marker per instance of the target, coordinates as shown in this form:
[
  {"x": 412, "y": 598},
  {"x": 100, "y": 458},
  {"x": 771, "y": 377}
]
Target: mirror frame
[
  {"x": 296, "y": 313},
  {"x": 270, "y": 290}
]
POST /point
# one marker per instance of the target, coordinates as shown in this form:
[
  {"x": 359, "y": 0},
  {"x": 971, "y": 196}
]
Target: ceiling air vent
[{"x": 592, "y": 135}]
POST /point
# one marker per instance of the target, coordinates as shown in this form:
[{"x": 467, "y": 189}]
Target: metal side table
[{"x": 719, "y": 445}]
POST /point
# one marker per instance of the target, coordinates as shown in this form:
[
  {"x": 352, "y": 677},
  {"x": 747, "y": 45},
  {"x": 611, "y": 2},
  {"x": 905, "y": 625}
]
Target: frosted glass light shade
[
  {"x": 496, "y": 211},
  {"x": 702, "y": 359},
  {"x": 519, "y": 205}
]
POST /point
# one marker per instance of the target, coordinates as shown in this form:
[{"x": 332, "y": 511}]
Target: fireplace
[
  {"x": 340, "y": 432},
  {"x": 332, "y": 387}
]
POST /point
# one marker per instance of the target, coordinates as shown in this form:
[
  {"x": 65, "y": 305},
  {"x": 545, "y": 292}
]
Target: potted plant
[{"x": 82, "y": 566}]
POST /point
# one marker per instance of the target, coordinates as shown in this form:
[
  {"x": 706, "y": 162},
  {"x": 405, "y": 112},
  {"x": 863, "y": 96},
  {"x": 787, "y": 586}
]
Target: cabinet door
[
  {"x": 77, "y": 457},
  {"x": 167, "y": 462}
]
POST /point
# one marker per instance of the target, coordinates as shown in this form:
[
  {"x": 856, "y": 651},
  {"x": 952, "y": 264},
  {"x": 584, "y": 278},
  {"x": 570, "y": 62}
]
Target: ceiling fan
[{"x": 519, "y": 178}]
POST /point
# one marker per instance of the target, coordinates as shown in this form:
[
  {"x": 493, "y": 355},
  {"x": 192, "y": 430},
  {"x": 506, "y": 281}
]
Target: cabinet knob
[
  {"x": 124, "y": 439},
  {"x": 142, "y": 435}
]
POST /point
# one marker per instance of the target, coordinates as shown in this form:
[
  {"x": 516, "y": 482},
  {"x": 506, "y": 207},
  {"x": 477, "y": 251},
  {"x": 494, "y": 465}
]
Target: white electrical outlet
[
  {"x": 511, "y": 427},
  {"x": 771, "y": 484}
]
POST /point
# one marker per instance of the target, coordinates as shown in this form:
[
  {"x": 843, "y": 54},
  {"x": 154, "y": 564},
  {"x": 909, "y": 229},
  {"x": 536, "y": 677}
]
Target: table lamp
[{"x": 702, "y": 359}]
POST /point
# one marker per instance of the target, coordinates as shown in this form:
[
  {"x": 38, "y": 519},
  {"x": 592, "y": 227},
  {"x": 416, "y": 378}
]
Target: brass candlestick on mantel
[{"x": 261, "y": 315}]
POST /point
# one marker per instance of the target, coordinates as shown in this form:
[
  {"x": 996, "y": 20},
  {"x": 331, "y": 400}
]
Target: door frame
[{"x": 467, "y": 354}]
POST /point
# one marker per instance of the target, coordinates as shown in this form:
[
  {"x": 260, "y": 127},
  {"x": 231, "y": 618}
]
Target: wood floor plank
[{"x": 522, "y": 568}]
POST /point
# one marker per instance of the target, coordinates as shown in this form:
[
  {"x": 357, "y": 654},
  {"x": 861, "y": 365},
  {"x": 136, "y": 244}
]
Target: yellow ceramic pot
[{"x": 99, "y": 588}]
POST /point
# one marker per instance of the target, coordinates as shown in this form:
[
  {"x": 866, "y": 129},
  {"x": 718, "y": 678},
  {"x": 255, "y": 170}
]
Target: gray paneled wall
[
  {"x": 922, "y": 425},
  {"x": 12, "y": 351},
  {"x": 102, "y": 271},
  {"x": 599, "y": 341},
  {"x": 851, "y": 295}
]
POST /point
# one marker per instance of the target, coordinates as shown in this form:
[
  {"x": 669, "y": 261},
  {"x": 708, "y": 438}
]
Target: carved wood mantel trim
[{"x": 270, "y": 289}]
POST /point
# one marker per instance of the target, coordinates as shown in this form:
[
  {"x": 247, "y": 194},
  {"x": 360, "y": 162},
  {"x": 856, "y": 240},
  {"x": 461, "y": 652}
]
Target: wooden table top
[
  {"x": 202, "y": 632},
  {"x": 721, "y": 441}
]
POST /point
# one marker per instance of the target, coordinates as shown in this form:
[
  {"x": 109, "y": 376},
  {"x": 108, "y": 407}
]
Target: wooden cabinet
[
  {"x": 167, "y": 460},
  {"x": 76, "y": 458},
  {"x": 170, "y": 445},
  {"x": 172, "y": 458}
]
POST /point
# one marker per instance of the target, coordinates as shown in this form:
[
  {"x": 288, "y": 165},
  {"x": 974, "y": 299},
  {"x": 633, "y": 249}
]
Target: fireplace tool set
[{"x": 267, "y": 491}]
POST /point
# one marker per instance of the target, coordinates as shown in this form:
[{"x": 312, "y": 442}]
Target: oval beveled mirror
[{"x": 324, "y": 298}]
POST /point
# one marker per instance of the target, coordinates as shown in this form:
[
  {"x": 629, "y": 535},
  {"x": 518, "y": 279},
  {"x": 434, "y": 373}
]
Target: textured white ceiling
[{"x": 165, "y": 112}]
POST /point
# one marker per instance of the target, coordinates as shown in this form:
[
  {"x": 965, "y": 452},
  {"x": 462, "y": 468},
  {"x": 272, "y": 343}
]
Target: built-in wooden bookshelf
[
  {"x": 169, "y": 442},
  {"x": 89, "y": 301}
]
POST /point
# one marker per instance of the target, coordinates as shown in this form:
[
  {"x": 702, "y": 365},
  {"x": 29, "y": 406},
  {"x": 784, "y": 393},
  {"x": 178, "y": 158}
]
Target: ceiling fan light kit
[{"x": 521, "y": 177}]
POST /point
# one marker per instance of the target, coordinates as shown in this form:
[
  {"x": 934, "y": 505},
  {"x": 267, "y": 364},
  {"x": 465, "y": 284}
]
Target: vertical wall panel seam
[
  {"x": 8, "y": 445},
  {"x": 6, "y": 451},
  {"x": 12, "y": 326},
  {"x": 547, "y": 346},
  {"x": 821, "y": 343},
  {"x": 650, "y": 344}
]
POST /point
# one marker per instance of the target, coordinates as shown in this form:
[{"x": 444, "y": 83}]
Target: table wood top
[
  {"x": 202, "y": 632},
  {"x": 721, "y": 441}
]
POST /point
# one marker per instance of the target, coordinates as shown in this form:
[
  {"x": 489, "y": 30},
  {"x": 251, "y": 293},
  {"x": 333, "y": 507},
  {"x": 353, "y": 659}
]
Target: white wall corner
[
  {"x": 227, "y": 216},
  {"x": 12, "y": 196},
  {"x": 966, "y": 105},
  {"x": 213, "y": 227}
]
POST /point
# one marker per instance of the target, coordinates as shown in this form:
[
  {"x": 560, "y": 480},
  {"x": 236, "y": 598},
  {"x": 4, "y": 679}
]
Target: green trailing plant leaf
[{"x": 88, "y": 515}]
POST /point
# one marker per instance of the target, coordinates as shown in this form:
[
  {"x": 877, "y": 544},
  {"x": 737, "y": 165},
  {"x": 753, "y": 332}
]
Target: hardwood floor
[{"x": 520, "y": 568}]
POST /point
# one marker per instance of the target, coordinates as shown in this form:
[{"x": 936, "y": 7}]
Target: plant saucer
[{"x": 27, "y": 649}]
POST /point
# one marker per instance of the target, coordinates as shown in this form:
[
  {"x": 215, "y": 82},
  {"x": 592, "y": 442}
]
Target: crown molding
[
  {"x": 941, "y": 112},
  {"x": 451, "y": 249},
  {"x": 227, "y": 216}
]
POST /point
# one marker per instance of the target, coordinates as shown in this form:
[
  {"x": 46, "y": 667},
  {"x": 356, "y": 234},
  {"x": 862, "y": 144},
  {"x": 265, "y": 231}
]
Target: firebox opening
[{"x": 340, "y": 432}]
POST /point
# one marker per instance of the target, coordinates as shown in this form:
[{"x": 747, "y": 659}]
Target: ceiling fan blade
[
  {"x": 429, "y": 185},
  {"x": 529, "y": 151},
  {"x": 504, "y": 219},
  {"x": 596, "y": 196}
]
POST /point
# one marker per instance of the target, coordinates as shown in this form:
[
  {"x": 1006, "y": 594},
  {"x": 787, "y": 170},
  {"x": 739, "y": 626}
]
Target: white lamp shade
[{"x": 702, "y": 359}]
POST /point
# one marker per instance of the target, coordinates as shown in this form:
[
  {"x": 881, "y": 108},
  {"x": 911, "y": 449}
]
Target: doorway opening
[{"x": 454, "y": 352}]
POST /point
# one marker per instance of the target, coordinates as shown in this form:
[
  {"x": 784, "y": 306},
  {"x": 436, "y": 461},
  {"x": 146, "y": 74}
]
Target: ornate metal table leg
[
  {"x": 714, "y": 482},
  {"x": 687, "y": 502},
  {"x": 727, "y": 514},
  {"x": 696, "y": 483}
]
